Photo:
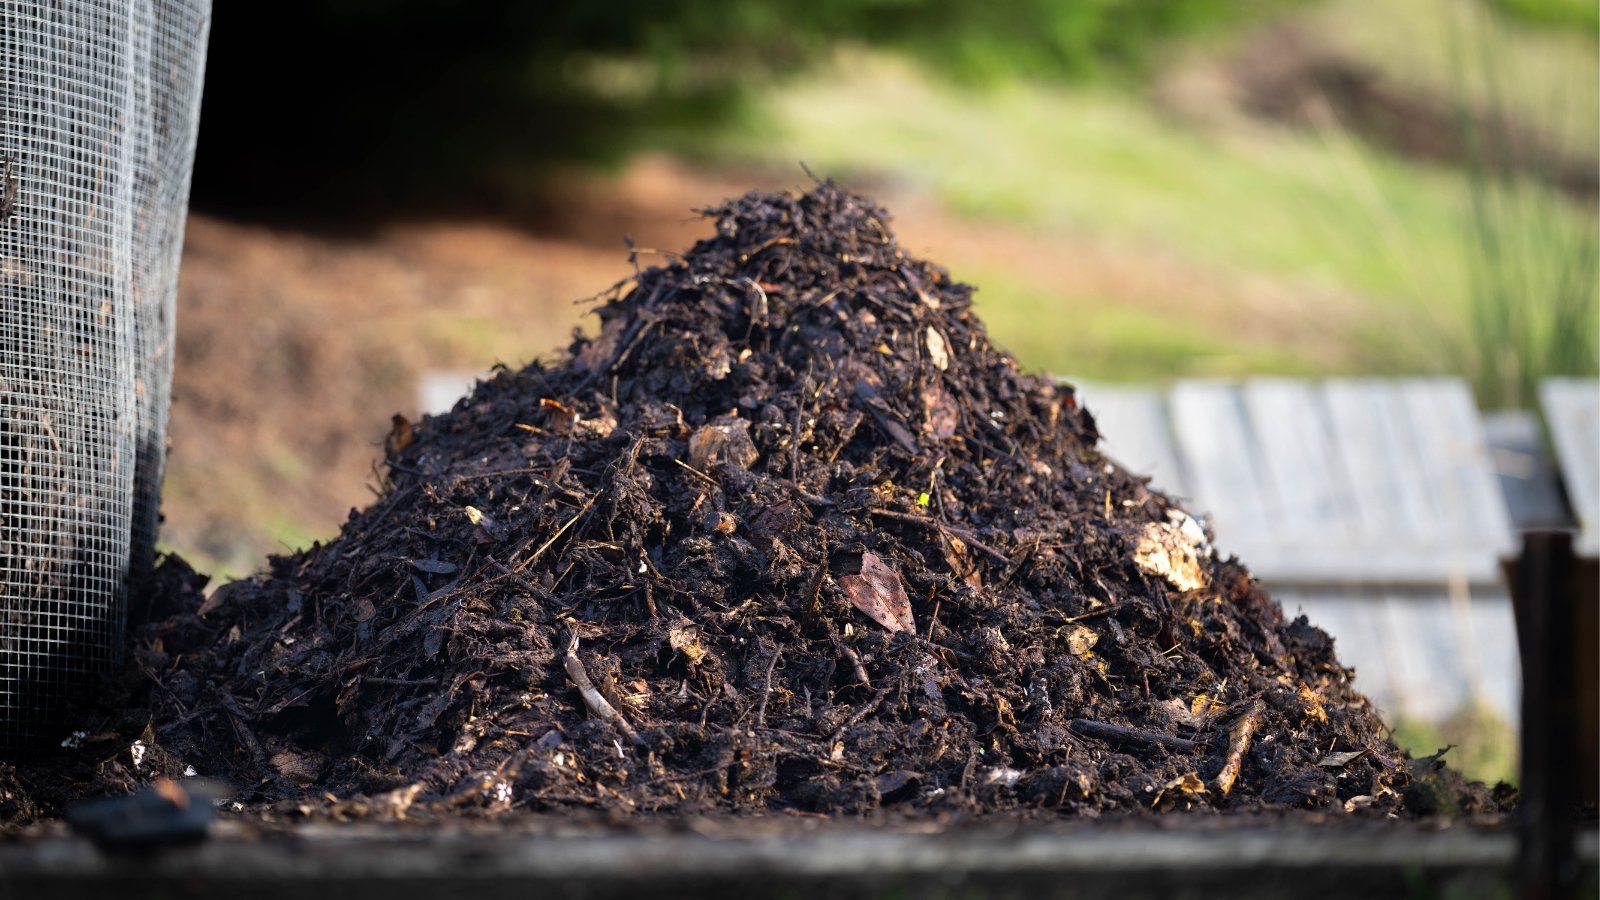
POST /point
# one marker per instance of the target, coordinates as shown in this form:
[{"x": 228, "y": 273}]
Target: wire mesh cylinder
[{"x": 98, "y": 108}]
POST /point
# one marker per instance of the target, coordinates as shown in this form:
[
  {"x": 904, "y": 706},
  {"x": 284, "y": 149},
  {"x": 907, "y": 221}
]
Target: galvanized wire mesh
[{"x": 98, "y": 108}]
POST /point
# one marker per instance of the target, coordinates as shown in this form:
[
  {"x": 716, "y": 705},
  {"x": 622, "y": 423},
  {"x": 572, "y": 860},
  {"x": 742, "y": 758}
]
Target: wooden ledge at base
[{"x": 1359, "y": 860}]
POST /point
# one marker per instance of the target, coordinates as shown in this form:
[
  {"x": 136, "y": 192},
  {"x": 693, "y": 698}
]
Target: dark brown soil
[{"x": 788, "y": 535}]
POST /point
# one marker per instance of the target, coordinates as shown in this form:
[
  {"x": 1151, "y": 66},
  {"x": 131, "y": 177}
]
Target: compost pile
[{"x": 788, "y": 533}]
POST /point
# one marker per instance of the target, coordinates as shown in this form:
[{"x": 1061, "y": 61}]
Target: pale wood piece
[
  {"x": 1217, "y": 453},
  {"x": 1572, "y": 413}
]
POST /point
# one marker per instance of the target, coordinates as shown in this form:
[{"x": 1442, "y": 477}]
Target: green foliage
[
  {"x": 1533, "y": 279},
  {"x": 395, "y": 102},
  {"x": 1041, "y": 38},
  {"x": 1582, "y": 16},
  {"x": 1483, "y": 745}
]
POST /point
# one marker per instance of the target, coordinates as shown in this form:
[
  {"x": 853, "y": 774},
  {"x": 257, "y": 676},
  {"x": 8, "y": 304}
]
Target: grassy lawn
[{"x": 1319, "y": 217}]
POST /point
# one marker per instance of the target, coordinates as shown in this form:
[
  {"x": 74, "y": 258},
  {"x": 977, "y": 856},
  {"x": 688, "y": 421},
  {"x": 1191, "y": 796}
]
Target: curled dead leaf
[
  {"x": 1340, "y": 760},
  {"x": 960, "y": 561},
  {"x": 1312, "y": 704},
  {"x": 600, "y": 426},
  {"x": 1180, "y": 714},
  {"x": 401, "y": 435},
  {"x": 300, "y": 768},
  {"x": 1188, "y": 785},
  {"x": 877, "y": 591},
  {"x": 939, "y": 415},
  {"x": 685, "y": 639},
  {"x": 1080, "y": 639},
  {"x": 1168, "y": 550},
  {"x": 727, "y": 440}
]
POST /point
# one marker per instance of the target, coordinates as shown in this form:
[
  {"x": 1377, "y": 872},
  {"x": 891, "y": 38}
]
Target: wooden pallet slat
[
  {"x": 1367, "y": 422},
  {"x": 1572, "y": 413},
  {"x": 1419, "y": 637},
  {"x": 1218, "y": 455},
  {"x": 1309, "y": 498},
  {"x": 1457, "y": 471}
]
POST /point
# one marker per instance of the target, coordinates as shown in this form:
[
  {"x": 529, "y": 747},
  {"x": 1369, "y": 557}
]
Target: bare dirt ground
[{"x": 296, "y": 346}]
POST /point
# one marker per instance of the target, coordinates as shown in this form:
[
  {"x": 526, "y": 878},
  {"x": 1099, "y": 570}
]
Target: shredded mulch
[{"x": 789, "y": 534}]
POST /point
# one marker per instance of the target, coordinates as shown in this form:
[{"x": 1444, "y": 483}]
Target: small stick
[
  {"x": 966, "y": 536},
  {"x": 515, "y": 576},
  {"x": 1238, "y": 741},
  {"x": 855, "y": 662},
  {"x": 813, "y": 608},
  {"x": 858, "y": 715},
  {"x": 597, "y": 703},
  {"x": 400, "y": 682},
  {"x": 766, "y": 693},
  {"x": 555, "y": 537},
  {"x": 794, "y": 449},
  {"x": 1125, "y": 735},
  {"x": 703, "y": 476},
  {"x": 1106, "y": 610}
]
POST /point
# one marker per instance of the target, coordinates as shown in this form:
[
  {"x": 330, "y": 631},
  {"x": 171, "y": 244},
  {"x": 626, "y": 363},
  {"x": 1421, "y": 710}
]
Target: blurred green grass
[
  {"x": 1482, "y": 744},
  {"x": 1392, "y": 242}
]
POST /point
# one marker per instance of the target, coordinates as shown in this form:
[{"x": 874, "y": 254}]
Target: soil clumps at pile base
[{"x": 788, "y": 534}]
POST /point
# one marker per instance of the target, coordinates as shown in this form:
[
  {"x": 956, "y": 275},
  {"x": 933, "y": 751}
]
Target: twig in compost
[
  {"x": 858, "y": 715},
  {"x": 794, "y": 450},
  {"x": 703, "y": 476},
  {"x": 966, "y": 536},
  {"x": 766, "y": 691},
  {"x": 400, "y": 682},
  {"x": 597, "y": 703},
  {"x": 813, "y": 607},
  {"x": 515, "y": 576},
  {"x": 1122, "y": 734},
  {"x": 1238, "y": 742},
  {"x": 855, "y": 663},
  {"x": 559, "y": 532},
  {"x": 1106, "y": 610}
]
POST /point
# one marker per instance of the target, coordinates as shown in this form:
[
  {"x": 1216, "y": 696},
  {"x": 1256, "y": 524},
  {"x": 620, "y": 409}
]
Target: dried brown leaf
[
  {"x": 1166, "y": 550},
  {"x": 1340, "y": 760},
  {"x": 685, "y": 638},
  {"x": 727, "y": 440},
  {"x": 1080, "y": 639},
  {"x": 877, "y": 591},
  {"x": 940, "y": 416}
]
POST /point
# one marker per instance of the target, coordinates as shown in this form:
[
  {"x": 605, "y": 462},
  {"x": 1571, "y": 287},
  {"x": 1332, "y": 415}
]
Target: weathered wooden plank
[
  {"x": 1460, "y": 479},
  {"x": 746, "y": 857},
  {"x": 1135, "y": 431},
  {"x": 1572, "y": 412},
  {"x": 1220, "y": 460},
  {"x": 1360, "y": 480},
  {"x": 1493, "y": 653},
  {"x": 1308, "y": 499},
  {"x": 1419, "y": 635},
  {"x": 1367, "y": 420}
]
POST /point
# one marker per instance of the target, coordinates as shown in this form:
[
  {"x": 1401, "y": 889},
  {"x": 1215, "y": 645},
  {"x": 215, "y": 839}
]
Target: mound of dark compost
[{"x": 789, "y": 534}]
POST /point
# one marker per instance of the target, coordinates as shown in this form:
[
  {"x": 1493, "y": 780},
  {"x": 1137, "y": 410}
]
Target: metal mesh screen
[{"x": 98, "y": 108}]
